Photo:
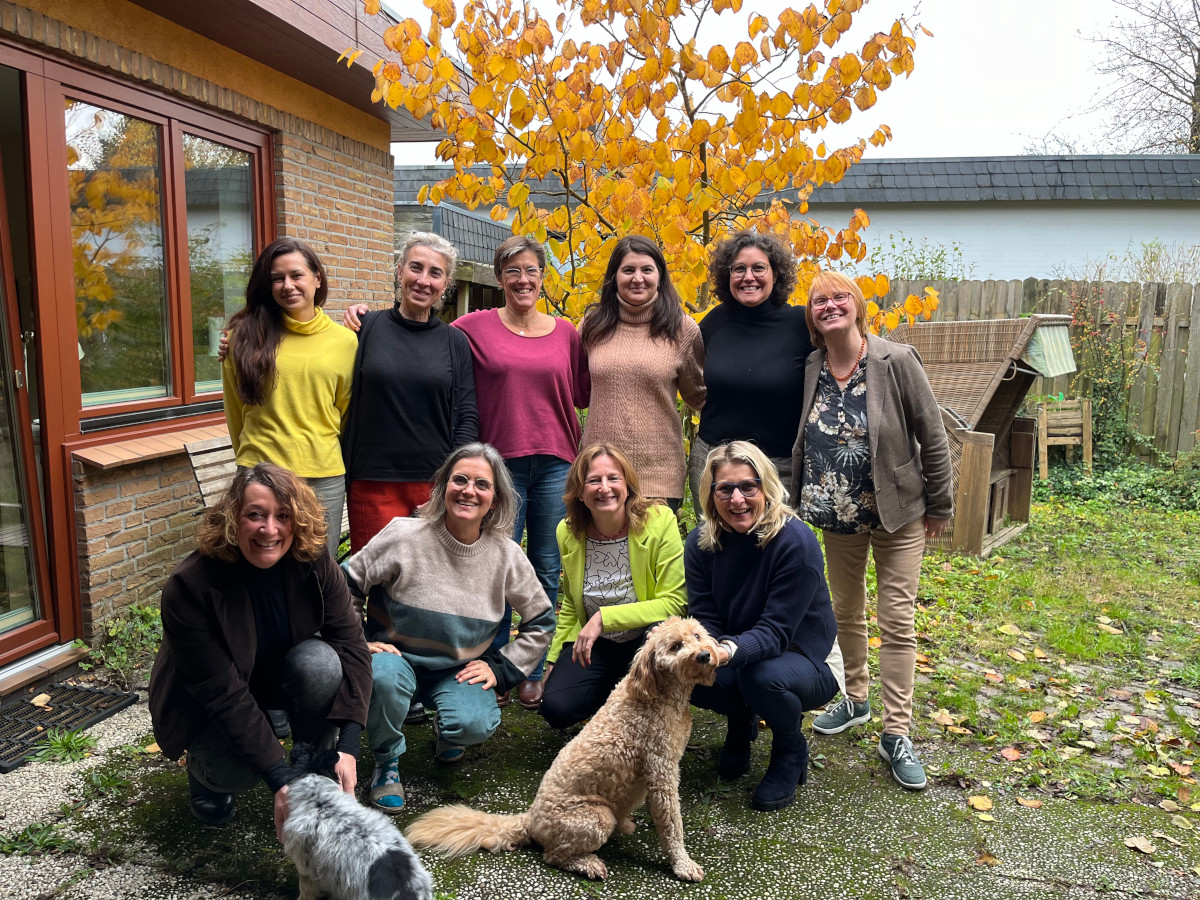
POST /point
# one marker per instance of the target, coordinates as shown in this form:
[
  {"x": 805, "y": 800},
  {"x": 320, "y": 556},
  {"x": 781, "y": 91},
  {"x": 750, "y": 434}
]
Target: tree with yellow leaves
[{"x": 616, "y": 118}]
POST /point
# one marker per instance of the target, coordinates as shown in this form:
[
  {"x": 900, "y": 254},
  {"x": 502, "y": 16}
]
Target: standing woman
[
  {"x": 287, "y": 376},
  {"x": 755, "y": 580},
  {"x": 755, "y": 346},
  {"x": 873, "y": 467},
  {"x": 530, "y": 377},
  {"x": 414, "y": 393},
  {"x": 622, "y": 572},
  {"x": 642, "y": 351}
]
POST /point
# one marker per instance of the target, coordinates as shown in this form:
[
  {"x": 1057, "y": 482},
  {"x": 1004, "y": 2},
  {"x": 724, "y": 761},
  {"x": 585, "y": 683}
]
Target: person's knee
[
  {"x": 560, "y": 709},
  {"x": 312, "y": 666},
  {"x": 468, "y": 727},
  {"x": 391, "y": 675}
]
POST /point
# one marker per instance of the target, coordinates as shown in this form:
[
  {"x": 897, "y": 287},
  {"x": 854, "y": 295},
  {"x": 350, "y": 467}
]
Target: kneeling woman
[
  {"x": 756, "y": 581},
  {"x": 443, "y": 580},
  {"x": 622, "y": 572},
  {"x": 258, "y": 618}
]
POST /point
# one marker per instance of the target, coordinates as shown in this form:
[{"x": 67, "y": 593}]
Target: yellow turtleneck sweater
[{"x": 300, "y": 424}]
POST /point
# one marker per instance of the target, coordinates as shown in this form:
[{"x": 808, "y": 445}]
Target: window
[{"x": 167, "y": 211}]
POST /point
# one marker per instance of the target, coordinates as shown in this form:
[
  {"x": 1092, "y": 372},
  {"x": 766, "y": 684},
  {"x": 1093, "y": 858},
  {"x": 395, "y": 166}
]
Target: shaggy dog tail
[{"x": 457, "y": 830}]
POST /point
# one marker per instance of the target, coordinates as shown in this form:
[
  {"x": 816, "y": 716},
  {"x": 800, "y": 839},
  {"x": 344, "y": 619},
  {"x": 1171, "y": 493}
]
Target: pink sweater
[
  {"x": 633, "y": 403},
  {"x": 527, "y": 388}
]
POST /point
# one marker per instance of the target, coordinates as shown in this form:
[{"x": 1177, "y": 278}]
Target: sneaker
[
  {"x": 417, "y": 713},
  {"x": 387, "y": 793},
  {"x": 906, "y": 768},
  {"x": 842, "y": 715}
]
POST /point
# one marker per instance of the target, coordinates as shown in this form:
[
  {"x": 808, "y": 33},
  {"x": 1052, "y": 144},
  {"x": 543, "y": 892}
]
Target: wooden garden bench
[{"x": 1067, "y": 424}]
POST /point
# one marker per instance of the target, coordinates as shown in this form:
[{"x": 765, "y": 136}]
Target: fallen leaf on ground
[
  {"x": 993, "y": 677},
  {"x": 1181, "y": 822},
  {"x": 1010, "y": 629},
  {"x": 41, "y": 701},
  {"x": 1180, "y": 768},
  {"x": 875, "y": 642},
  {"x": 943, "y": 717},
  {"x": 1017, "y": 655},
  {"x": 986, "y": 859},
  {"x": 1037, "y": 716},
  {"x": 958, "y": 729},
  {"x": 1029, "y": 804},
  {"x": 154, "y": 748},
  {"x": 1169, "y": 806},
  {"x": 1140, "y": 843},
  {"x": 985, "y": 817},
  {"x": 1039, "y": 653},
  {"x": 1166, "y": 837},
  {"x": 1012, "y": 754},
  {"x": 1091, "y": 745},
  {"x": 979, "y": 802},
  {"x": 1108, "y": 629},
  {"x": 1118, "y": 694},
  {"x": 1104, "y": 620}
]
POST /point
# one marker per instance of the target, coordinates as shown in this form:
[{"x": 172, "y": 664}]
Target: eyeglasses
[
  {"x": 528, "y": 272},
  {"x": 748, "y": 488},
  {"x": 840, "y": 298},
  {"x": 758, "y": 270},
  {"x": 459, "y": 480}
]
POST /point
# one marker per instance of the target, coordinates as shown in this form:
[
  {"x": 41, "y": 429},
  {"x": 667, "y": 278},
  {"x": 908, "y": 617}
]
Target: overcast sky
[{"x": 997, "y": 75}]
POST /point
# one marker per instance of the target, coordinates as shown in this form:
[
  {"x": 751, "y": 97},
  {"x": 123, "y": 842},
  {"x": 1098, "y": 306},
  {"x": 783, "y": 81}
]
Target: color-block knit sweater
[
  {"x": 634, "y": 382},
  {"x": 440, "y": 601}
]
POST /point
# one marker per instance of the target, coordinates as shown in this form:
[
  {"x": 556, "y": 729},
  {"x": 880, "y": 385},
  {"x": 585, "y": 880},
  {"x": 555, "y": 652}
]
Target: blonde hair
[
  {"x": 832, "y": 283},
  {"x": 579, "y": 517},
  {"x": 775, "y": 512}
]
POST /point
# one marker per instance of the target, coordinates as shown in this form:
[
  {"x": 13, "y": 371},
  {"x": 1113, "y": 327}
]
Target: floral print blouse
[{"x": 839, "y": 492}]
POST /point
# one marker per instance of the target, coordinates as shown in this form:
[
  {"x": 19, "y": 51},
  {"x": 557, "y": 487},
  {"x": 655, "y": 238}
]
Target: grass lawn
[{"x": 1057, "y": 710}]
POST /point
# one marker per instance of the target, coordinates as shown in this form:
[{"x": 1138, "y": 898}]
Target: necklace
[
  {"x": 620, "y": 532},
  {"x": 862, "y": 348},
  {"x": 513, "y": 322}
]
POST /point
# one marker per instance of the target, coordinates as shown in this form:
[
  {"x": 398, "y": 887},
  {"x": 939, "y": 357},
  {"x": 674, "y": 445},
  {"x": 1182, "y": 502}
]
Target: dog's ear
[
  {"x": 324, "y": 762},
  {"x": 302, "y": 757},
  {"x": 643, "y": 673}
]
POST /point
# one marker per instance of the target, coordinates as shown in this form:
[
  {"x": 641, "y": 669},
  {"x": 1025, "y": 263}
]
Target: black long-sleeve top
[
  {"x": 413, "y": 399},
  {"x": 754, "y": 360}
]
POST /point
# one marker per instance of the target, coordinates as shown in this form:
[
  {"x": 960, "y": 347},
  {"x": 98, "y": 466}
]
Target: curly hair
[
  {"x": 437, "y": 244},
  {"x": 601, "y": 318},
  {"x": 828, "y": 283},
  {"x": 256, "y": 330},
  {"x": 505, "y": 502},
  {"x": 783, "y": 264},
  {"x": 775, "y": 513},
  {"x": 217, "y": 536},
  {"x": 579, "y": 517}
]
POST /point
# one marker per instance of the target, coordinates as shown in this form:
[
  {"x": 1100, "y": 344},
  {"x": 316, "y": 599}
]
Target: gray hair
[
  {"x": 775, "y": 513},
  {"x": 437, "y": 244},
  {"x": 500, "y": 518}
]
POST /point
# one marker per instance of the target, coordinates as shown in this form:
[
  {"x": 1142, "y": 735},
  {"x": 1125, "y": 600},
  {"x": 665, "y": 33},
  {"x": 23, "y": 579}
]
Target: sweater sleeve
[
  {"x": 524, "y": 594},
  {"x": 466, "y": 411},
  {"x": 791, "y": 587},
  {"x": 664, "y": 557},
  {"x": 581, "y": 379},
  {"x": 233, "y": 403},
  {"x": 698, "y": 570},
  {"x": 379, "y": 562},
  {"x": 691, "y": 370}
]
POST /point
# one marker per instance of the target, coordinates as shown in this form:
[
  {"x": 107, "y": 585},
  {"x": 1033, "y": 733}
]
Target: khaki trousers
[{"x": 897, "y": 572}]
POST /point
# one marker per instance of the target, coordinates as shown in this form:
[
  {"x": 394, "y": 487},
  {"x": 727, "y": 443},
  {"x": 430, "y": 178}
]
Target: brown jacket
[
  {"x": 202, "y": 672},
  {"x": 910, "y": 455}
]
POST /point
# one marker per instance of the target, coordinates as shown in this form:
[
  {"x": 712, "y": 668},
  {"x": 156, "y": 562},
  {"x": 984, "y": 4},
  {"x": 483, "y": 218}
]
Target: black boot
[
  {"x": 734, "y": 759},
  {"x": 788, "y": 768},
  {"x": 209, "y": 806}
]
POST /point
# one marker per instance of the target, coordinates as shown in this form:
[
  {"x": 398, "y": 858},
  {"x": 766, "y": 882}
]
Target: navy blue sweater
[{"x": 766, "y": 601}]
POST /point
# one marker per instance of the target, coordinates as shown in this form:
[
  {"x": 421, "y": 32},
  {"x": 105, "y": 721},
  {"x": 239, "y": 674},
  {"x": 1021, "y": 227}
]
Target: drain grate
[{"x": 70, "y": 707}]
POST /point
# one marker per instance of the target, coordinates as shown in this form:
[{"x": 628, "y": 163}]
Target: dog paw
[
  {"x": 595, "y": 869},
  {"x": 627, "y": 826},
  {"x": 686, "y": 870}
]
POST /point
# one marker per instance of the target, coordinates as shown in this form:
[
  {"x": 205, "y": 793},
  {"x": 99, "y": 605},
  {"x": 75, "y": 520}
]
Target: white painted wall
[{"x": 1024, "y": 240}]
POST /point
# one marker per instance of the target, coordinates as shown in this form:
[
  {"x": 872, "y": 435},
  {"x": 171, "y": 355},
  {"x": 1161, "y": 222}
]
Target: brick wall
[{"x": 133, "y": 525}]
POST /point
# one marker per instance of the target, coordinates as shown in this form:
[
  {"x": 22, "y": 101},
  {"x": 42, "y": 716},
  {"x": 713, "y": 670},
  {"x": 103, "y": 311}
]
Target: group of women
[{"x": 455, "y": 442}]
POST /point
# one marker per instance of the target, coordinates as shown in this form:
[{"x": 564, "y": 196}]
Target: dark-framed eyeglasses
[
  {"x": 724, "y": 489},
  {"x": 459, "y": 480}
]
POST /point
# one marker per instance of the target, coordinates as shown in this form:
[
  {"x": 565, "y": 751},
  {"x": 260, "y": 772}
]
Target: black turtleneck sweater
[
  {"x": 413, "y": 399},
  {"x": 754, "y": 372}
]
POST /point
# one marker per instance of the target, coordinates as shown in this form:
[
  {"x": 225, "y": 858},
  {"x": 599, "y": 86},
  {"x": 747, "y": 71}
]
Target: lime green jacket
[{"x": 656, "y": 558}]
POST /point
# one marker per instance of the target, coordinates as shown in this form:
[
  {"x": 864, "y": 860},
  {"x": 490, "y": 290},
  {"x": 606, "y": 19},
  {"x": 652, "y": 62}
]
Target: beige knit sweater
[{"x": 634, "y": 383}]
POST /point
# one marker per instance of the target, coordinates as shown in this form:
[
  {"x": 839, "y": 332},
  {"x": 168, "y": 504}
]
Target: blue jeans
[
  {"x": 540, "y": 481},
  {"x": 467, "y": 714}
]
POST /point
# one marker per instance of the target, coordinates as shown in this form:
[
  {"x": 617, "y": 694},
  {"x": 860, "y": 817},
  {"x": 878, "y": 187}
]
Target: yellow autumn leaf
[
  {"x": 979, "y": 802},
  {"x": 1037, "y": 716},
  {"x": 1016, "y": 655},
  {"x": 1029, "y": 803},
  {"x": 481, "y": 96}
]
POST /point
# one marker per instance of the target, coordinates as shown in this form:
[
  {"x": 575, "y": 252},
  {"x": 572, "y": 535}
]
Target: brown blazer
[
  {"x": 202, "y": 672},
  {"x": 910, "y": 455}
]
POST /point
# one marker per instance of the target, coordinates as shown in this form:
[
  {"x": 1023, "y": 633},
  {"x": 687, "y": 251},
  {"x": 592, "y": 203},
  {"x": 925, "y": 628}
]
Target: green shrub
[
  {"x": 1171, "y": 486},
  {"x": 129, "y": 643}
]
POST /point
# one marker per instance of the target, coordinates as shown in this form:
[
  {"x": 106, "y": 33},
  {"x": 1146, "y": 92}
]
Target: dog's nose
[{"x": 703, "y": 657}]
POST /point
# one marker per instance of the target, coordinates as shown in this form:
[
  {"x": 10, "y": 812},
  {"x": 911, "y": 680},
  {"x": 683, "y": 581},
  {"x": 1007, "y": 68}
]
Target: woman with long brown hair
[{"x": 288, "y": 374}]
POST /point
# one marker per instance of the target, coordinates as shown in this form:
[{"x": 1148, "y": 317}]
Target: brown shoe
[
  {"x": 502, "y": 700},
  {"x": 529, "y": 694}
]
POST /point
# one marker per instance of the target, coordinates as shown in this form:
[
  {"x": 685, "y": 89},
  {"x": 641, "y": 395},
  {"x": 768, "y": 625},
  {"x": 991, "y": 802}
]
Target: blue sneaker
[
  {"x": 387, "y": 793},
  {"x": 906, "y": 768},
  {"x": 842, "y": 715}
]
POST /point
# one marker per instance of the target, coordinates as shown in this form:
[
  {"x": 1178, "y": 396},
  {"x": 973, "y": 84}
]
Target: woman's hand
[
  {"x": 477, "y": 672},
  {"x": 935, "y": 527},
  {"x": 281, "y": 811},
  {"x": 346, "y": 770},
  {"x": 223, "y": 346},
  {"x": 352, "y": 317},
  {"x": 722, "y": 655},
  {"x": 382, "y": 647},
  {"x": 581, "y": 653}
]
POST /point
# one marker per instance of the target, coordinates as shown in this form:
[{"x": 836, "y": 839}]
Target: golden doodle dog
[{"x": 627, "y": 753}]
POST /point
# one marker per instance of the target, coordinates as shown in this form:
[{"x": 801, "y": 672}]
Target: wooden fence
[{"x": 1158, "y": 320}]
